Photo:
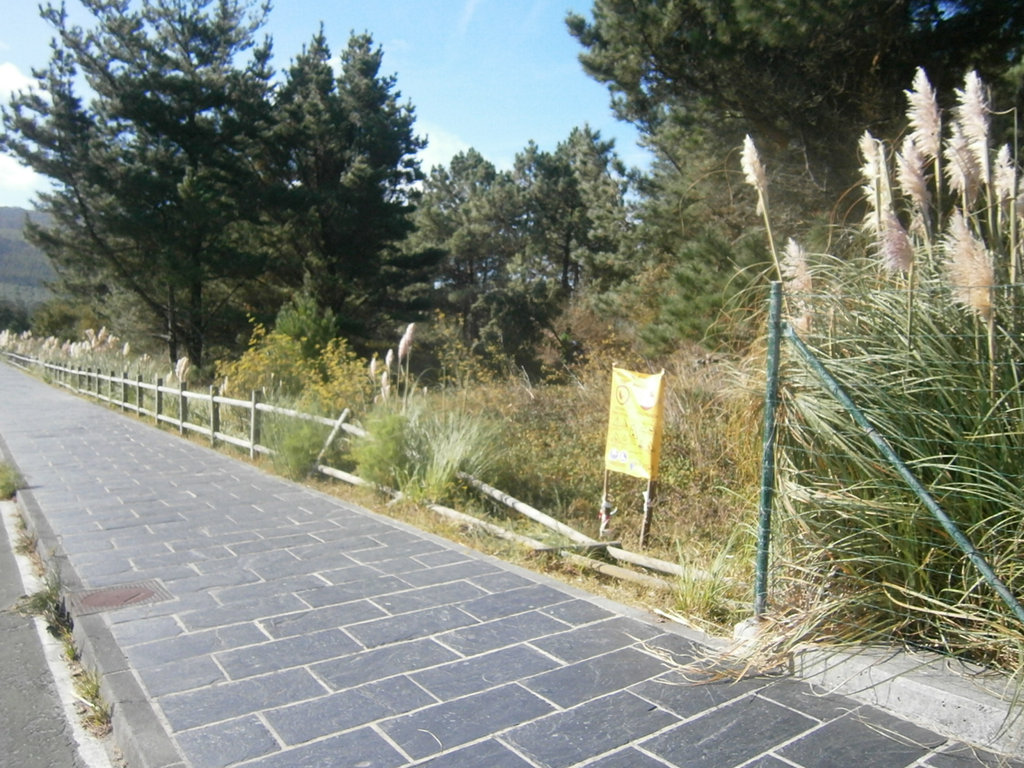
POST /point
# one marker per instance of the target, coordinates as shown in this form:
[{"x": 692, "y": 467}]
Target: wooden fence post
[
  {"x": 138, "y": 393},
  {"x": 254, "y": 424},
  {"x": 159, "y": 397},
  {"x": 214, "y": 415},
  {"x": 182, "y": 407}
]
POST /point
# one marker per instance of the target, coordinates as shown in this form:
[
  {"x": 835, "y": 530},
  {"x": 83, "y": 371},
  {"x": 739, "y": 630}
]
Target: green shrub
[{"x": 420, "y": 451}]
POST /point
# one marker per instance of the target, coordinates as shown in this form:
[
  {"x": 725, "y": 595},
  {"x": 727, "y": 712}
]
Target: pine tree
[
  {"x": 154, "y": 194},
  {"x": 345, "y": 158}
]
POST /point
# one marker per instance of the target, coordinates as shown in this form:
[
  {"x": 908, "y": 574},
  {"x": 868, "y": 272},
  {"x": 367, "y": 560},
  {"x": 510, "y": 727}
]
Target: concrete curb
[
  {"x": 137, "y": 731},
  {"x": 954, "y": 699}
]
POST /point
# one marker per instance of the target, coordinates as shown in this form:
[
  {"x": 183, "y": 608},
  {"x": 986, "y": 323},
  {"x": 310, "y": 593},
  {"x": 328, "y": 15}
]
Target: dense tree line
[{"x": 195, "y": 187}]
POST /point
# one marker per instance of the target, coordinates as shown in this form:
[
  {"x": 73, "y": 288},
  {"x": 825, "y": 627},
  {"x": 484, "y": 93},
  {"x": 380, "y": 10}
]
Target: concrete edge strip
[
  {"x": 137, "y": 731},
  {"x": 977, "y": 707}
]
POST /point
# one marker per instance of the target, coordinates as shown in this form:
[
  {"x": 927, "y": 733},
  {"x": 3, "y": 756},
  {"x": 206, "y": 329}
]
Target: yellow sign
[{"x": 634, "y": 424}]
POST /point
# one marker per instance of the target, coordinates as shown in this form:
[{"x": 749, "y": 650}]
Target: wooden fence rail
[{"x": 172, "y": 405}]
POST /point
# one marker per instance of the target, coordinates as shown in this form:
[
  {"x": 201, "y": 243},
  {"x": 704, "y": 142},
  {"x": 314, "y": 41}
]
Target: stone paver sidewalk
[{"x": 284, "y": 628}]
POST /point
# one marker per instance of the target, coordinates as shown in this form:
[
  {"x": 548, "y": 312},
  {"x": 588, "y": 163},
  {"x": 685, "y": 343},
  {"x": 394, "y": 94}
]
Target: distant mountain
[{"x": 24, "y": 269}]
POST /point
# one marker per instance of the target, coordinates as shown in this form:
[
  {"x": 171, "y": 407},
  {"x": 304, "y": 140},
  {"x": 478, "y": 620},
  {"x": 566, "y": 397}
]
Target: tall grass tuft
[
  {"x": 418, "y": 441},
  {"x": 858, "y": 555}
]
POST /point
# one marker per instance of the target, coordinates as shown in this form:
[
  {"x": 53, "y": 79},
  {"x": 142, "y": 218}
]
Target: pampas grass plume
[
  {"x": 876, "y": 181},
  {"x": 406, "y": 343},
  {"x": 754, "y": 172},
  {"x": 923, "y": 114},
  {"x": 970, "y": 268},
  {"x": 910, "y": 175},
  {"x": 896, "y": 249},
  {"x": 972, "y": 113},
  {"x": 962, "y": 169},
  {"x": 182, "y": 368},
  {"x": 794, "y": 268},
  {"x": 1004, "y": 175}
]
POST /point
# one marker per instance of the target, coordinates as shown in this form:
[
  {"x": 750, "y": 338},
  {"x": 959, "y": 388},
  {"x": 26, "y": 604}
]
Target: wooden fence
[{"x": 175, "y": 406}]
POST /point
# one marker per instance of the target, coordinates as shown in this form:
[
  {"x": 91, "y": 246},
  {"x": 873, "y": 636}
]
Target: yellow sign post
[{"x": 634, "y": 435}]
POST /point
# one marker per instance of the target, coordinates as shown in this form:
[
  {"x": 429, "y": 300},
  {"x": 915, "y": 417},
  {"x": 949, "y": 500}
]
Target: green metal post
[{"x": 771, "y": 401}]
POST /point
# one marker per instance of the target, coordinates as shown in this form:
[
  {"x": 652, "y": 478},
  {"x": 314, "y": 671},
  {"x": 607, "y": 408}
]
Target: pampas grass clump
[{"x": 923, "y": 330}]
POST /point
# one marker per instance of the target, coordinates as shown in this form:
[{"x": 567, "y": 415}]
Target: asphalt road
[{"x": 34, "y": 733}]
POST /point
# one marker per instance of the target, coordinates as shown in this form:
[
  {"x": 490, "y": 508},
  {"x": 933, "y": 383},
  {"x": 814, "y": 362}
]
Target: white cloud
[
  {"x": 442, "y": 146},
  {"x": 12, "y": 79},
  {"x": 17, "y": 183},
  {"x": 466, "y": 17}
]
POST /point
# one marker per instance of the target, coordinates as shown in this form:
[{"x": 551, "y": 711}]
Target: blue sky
[{"x": 488, "y": 74}]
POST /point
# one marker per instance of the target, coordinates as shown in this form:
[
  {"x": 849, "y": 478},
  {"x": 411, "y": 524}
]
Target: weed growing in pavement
[
  {"x": 95, "y": 714},
  {"x": 11, "y": 480},
  {"x": 48, "y": 604}
]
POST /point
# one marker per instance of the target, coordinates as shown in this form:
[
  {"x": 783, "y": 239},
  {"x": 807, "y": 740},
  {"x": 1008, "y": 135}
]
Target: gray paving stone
[
  {"x": 577, "y": 612},
  {"x": 321, "y": 618},
  {"x": 570, "y": 737},
  {"x": 503, "y": 604},
  {"x": 380, "y": 663},
  {"x": 205, "y": 706},
  {"x": 182, "y": 647},
  {"x": 257, "y": 592},
  {"x": 353, "y": 590},
  {"x": 576, "y": 683},
  {"x": 737, "y": 732},
  {"x": 491, "y": 635},
  {"x": 459, "y": 678},
  {"x": 201, "y": 582},
  {"x": 595, "y": 639},
  {"x": 769, "y": 761},
  {"x": 680, "y": 651},
  {"x": 177, "y": 676},
  {"x": 445, "y": 594},
  {"x": 452, "y": 723},
  {"x": 408, "y": 626},
  {"x": 502, "y": 581},
  {"x": 262, "y": 545},
  {"x": 351, "y": 573},
  {"x": 295, "y": 651},
  {"x": 804, "y": 698},
  {"x": 687, "y": 695},
  {"x": 227, "y": 743},
  {"x": 357, "y": 749},
  {"x": 181, "y": 603},
  {"x": 445, "y": 557},
  {"x": 867, "y": 739},
  {"x": 146, "y": 630},
  {"x": 425, "y": 576},
  {"x": 237, "y": 612},
  {"x": 394, "y": 551},
  {"x": 338, "y": 712},
  {"x": 629, "y": 758},
  {"x": 483, "y": 754}
]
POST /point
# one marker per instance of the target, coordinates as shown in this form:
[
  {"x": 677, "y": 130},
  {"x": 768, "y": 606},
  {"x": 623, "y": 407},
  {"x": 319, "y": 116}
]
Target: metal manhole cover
[{"x": 120, "y": 596}]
